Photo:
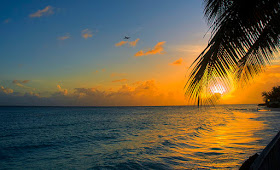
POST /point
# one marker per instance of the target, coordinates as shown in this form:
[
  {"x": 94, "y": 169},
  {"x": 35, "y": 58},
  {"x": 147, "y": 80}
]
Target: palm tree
[
  {"x": 272, "y": 98},
  {"x": 244, "y": 39}
]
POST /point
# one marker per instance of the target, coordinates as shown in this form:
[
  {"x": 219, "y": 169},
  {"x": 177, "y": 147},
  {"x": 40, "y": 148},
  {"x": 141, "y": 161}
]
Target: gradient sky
[{"x": 74, "y": 52}]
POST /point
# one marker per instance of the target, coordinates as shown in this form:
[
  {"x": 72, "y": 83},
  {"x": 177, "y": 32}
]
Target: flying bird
[{"x": 125, "y": 37}]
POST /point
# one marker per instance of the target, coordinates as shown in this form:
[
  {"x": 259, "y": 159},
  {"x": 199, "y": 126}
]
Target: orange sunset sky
[{"x": 54, "y": 53}]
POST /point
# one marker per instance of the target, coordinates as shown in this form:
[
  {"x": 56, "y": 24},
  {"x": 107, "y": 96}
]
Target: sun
[{"x": 218, "y": 88}]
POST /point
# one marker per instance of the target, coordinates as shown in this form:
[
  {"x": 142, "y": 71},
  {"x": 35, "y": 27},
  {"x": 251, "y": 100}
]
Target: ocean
[{"x": 171, "y": 137}]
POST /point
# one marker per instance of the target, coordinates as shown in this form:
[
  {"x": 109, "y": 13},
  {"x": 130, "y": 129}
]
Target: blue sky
[{"x": 41, "y": 41}]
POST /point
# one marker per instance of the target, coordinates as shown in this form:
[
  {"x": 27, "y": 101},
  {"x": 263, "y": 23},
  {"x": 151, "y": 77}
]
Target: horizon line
[{"x": 122, "y": 105}]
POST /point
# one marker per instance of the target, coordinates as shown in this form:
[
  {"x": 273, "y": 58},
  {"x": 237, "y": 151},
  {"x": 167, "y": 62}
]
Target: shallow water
[{"x": 178, "y": 137}]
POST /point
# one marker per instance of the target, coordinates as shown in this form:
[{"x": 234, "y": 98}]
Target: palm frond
[
  {"x": 261, "y": 52},
  {"x": 243, "y": 41}
]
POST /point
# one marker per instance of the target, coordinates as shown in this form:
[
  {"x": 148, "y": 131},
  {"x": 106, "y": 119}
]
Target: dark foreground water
[{"x": 133, "y": 137}]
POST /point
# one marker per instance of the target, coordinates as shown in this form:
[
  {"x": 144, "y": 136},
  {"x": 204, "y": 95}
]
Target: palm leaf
[{"x": 243, "y": 41}]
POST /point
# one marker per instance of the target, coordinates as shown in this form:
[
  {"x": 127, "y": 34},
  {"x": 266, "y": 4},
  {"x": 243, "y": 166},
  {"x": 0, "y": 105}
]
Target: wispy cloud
[
  {"x": 121, "y": 43},
  {"x": 25, "y": 81},
  {"x": 133, "y": 43},
  {"x": 87, "y": 33},
  {"x": 6, "y": 90},
  {"x": 48, "y": 10},
  {"x": 121, "y": 80},
  {"x": 158, "y": 49},
  {"x": 67, "y": 36},
  {"x": 20, "y": 82},
  {"x": 177, "y": 62}
]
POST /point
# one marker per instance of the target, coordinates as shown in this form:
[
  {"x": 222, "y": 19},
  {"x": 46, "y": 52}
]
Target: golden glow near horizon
[
  {"x": 82, "y": 55},
  {"x": 121, "y": 89}
]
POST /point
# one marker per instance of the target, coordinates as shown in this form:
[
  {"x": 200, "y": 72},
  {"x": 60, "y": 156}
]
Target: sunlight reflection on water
[
  {"x": 134, "y": 137},
  {"x": 208, "y": 138}
]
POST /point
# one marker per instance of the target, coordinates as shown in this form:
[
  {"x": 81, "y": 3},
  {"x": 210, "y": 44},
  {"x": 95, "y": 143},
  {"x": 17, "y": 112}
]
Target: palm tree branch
[
  {"x": 234, "y": 32},
  {"x": 261, "y": 52}
]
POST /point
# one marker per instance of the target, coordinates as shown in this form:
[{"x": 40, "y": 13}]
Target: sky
[{"x": 74, "y": 53}]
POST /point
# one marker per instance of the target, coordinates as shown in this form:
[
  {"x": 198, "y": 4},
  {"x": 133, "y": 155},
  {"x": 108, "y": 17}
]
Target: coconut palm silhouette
[{"x": 244, "y": 39}]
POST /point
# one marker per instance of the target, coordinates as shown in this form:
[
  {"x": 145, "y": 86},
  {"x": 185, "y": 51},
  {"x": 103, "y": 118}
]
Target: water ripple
[{"x": 133, "y": 137}]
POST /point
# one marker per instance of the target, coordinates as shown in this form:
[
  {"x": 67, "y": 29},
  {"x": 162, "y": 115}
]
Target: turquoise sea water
[{"x": 177, "y": 137}]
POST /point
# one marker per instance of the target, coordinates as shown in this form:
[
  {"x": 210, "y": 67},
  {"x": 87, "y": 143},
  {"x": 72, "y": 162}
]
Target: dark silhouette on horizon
[{"x": 272, "y": 98}]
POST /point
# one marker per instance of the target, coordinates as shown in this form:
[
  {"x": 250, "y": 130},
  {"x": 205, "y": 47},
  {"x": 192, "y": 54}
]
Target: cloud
[
  {"x": 20, "y": 82},
  {"x": 137, "y": 94},
  {"x": 62, "y": 91},
  {"x": 121, "y": 80},
  {"x": 84, "y": 90},
  {"x": 15, "y": 81},
  {"x": 48, "y": 10},
  {"x": 6, "y": 90},
  {"x": 59, "y": 87},
  {"x": 86, "y": 33},
  {"x": 158, "y": 49},
  {"x": 133, "y": 43},
  {"x": 121, "y": 43},
  {"x": 67, "y": 36},
  {"x": 25, "y": 81},
  {"x": 147, "y": 85},
  {"x": 26, "y": 99},
  {"x": 125, "y": 89},
  {"x": 177, "y": 62}
]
